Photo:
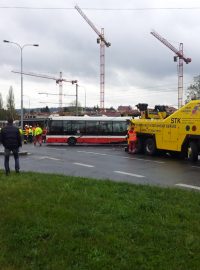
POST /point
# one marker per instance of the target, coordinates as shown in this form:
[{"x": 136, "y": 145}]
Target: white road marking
[
  {"x": 94, "y": 153},
  {"x": 82, "y": 164},
  {"x": 188, "y": 186},
  {"x": 147, "y": 160},
  {"x": 44, "y": 157},
  {"x": 59, "y": 149},
  {"x": 197, "y": 167},
  {"x": 130, "y": 174},
  {"x": 102, "y": 154}
]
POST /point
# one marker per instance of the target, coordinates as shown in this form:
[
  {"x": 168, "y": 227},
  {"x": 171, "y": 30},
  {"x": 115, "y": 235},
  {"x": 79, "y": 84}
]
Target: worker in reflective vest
[
  {"x": 21, "y": 131},
  {"x": 30, "y": 134},
  {"x": 132, "y": 139},
  {"x": 26, "y": 133},
  {"x": 38, "y": 135}
]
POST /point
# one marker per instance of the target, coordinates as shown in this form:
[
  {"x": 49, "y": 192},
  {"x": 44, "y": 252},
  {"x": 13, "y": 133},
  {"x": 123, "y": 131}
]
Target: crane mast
[
  {"x": 100, "y": 40},
  {"x": 182, "y": 58},
  {"x": 59, "y": 81}
]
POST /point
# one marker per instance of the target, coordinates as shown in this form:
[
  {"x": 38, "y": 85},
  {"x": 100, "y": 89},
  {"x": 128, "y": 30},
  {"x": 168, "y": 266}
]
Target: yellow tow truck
[{"x": 177, "y": 134}]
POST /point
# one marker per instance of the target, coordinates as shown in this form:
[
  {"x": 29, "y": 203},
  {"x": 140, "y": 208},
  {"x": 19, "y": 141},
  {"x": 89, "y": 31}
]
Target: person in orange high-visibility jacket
[
  {"x": 132, "y": 139},
  {"x": 44, "y": 134},
  {"x": 38, "y": 135}
]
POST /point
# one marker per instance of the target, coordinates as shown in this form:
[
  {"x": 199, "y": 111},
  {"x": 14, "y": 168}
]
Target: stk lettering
[{"x": 175, "y": 120}]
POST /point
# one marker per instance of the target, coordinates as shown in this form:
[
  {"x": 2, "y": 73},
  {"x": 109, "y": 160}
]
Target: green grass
[{"x": 59, "y": 222}]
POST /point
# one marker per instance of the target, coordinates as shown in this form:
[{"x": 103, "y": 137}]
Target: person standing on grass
[{"x": 11, "y": 139}]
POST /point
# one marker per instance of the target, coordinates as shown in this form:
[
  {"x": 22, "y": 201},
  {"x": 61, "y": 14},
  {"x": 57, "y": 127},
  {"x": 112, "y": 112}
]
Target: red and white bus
[{"x": 86, "y": 129}]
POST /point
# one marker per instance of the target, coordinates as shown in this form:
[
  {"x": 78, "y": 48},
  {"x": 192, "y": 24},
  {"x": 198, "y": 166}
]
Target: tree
[
  {"x": 73, "y": 108},
  {"x": 46, "y": 109},
  {"x": 3, "y": 112},
  {"x": 11, "y": 103},
  {"x": 96, "y": 108},
  {"x": 112, "y": 109},
  {"x": 193, "y": 91},
  {"x": 1, "y": 102}
]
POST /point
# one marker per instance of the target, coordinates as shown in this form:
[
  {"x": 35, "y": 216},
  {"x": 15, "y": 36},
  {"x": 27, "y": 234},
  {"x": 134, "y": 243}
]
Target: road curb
[{"x": 21, "y": 153}]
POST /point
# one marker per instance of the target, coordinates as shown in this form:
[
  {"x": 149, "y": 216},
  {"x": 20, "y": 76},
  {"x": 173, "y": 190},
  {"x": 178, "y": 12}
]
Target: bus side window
[
  {"x": 124, "y": 128},
  {"x": 67, "y": 127},
  {"x": 92, "y": 127},
  {"x": 81, "y": 127},
  {"x": 119, "y": 128},
  {"x": 105, "y": 127},
  {"x": 78, "y": 126},
  {"x": 56, "y": 127}
]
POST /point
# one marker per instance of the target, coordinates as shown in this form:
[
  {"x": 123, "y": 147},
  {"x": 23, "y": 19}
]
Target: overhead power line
[
  {"x": 47, "y": 8},
  {"x": 101, "y": 9}
]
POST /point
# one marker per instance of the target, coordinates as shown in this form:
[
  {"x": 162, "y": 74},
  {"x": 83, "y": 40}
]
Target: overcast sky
[{"x": 138, "y": 67}]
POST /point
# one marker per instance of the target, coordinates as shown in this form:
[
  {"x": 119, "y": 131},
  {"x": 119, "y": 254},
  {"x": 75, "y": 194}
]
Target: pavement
[{"x": 21, "y": 153}]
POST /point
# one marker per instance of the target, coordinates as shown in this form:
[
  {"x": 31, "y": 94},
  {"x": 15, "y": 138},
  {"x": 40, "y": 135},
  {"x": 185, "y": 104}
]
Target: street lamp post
[
  {"x": 21, "y": 52},
  {"x": 85, "y": 99},
  {"x": 28, "y": 105},
  {"x": 76, "y": 99}
]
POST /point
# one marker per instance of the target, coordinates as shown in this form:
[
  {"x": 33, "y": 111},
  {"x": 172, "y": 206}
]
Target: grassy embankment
[{"x": 58, "y": 222}]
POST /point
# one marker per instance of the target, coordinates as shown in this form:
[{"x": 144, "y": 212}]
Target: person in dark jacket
[{"x": 11, "y": 140}]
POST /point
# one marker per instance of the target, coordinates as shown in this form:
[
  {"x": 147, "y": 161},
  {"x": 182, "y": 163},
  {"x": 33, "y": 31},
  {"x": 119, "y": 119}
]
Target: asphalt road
[{"x": 109, "y": 162}]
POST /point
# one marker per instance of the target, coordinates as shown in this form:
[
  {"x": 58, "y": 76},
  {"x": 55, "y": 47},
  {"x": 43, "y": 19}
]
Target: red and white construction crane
[
  {"x": 100, "y": 40},
  {"x": 59, "y": 81},
  {"x": 181, "y": 57}
]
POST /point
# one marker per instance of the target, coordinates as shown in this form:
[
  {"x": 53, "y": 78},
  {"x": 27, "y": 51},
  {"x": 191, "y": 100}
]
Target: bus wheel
[
  {"x": 71, "y": 141},
  {"x": 150, "y": 147},
  {"x": 193, "y": 152}
]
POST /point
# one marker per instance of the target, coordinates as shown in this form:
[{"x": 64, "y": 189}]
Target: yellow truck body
[{"x": 179, "y": 133}]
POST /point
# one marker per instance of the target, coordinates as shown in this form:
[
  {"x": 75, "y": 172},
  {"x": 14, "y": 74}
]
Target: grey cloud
[{"x": 68, "y": 44}]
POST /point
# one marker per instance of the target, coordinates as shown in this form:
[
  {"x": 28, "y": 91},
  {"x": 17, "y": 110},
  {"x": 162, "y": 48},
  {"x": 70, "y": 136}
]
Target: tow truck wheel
[
  {"x": 71, "y": 141},
  {"x": 139, "y": 146},
  {"x": 150, "y": 147},
  {"x": 193, "y": 152}
]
